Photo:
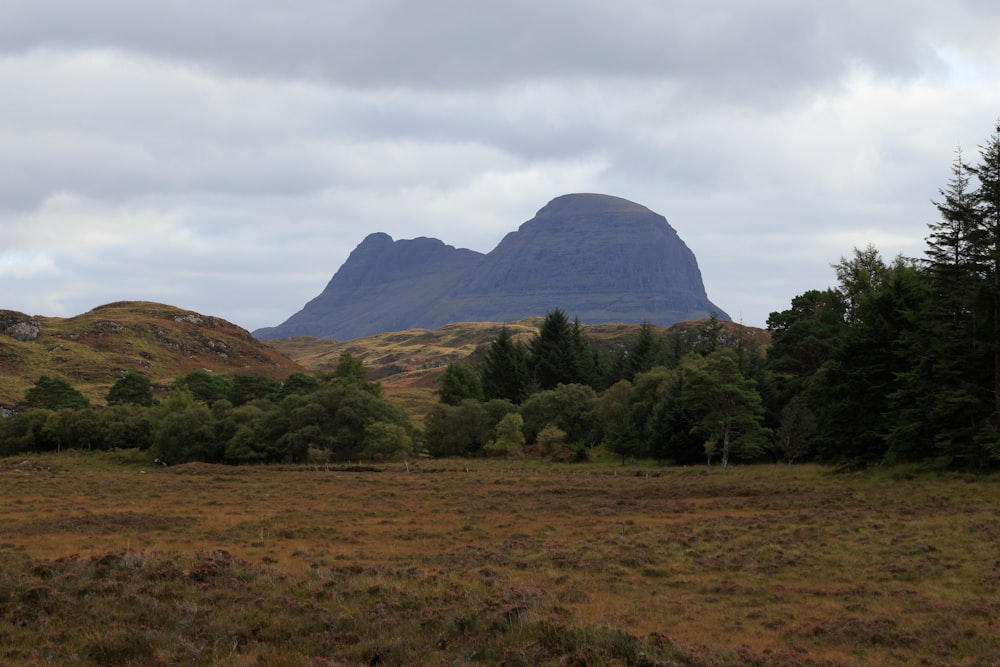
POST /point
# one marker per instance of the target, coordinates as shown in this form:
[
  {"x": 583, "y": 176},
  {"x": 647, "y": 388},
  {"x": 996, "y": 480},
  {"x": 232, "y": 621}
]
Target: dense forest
[{"x": 898, "y": 362}]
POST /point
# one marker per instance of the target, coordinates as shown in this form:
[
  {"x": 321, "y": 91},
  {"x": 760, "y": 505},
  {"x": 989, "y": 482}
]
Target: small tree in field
[
  {"x": 510, "y": 436},
  {"x": 384, "y": 440},
  {"x": 549, "y": 438}
]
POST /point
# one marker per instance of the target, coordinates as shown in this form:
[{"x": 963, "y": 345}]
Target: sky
[{"x": 226, "y": 156}]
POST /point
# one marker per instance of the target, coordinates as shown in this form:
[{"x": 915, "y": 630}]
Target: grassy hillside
[
  {"x": 93, "y": 350},
  {"x": 409, "y": 364}
]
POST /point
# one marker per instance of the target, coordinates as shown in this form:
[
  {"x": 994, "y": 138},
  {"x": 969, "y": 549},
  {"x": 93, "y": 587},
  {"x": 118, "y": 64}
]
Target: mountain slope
[
  {"x": 93, "y": 350},
  {"x": 602, "y": 258}
]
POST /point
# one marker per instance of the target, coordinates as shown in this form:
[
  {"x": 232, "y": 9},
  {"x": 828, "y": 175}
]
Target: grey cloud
[
  {"x": 242, "y": 149},
  {"x": 750, "y": 48}
]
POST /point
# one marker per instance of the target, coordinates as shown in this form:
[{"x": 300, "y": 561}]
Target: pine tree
[
  {"x": 555, "y": 352},
  {"x": 934, "y": 410},
  {"x": 987, "y": 207},
  {"x": 504, "y": 371},
  {"x": 647, "y": 351}
]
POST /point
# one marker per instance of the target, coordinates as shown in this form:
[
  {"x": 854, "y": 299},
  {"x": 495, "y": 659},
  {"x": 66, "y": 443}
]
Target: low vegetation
[
  {"x": 105, "y": 560},
  {"x": 94, "y": 350}
]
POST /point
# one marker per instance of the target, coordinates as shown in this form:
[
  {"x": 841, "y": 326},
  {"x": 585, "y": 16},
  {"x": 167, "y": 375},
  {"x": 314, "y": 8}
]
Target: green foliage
[
  {"x": 53, "y": 393},
  {"x": 621, "y": 419},
  {"x": 558, "y": 352},
  {"x": 551, "y": 438},
  {"x": 24, "y": 432},
  {"x": 510, "y": 436},
  {"x": 458, "y": 430},
  {"x": 568, "y": 406},
  {"x": 125, "y": 427},
  {"x": 205, "y": 386},
  {"x": 504, "y": 371},
  {"x": 902, "y": 361},
  {"x": 246, "y": 388},
  {"x": 648, "y": 351},
  {"x": 184, "y": 431},
  {"x": 729, "y": 409},
  {"x": 385, "y": 441},
  {"x": 132, "y": 389},
  {"x": 459, "y": 382},
  {"x": 668, "y": 422},
  {"x": 798, "y": 426},
  {"x": 299, "y": 383}
]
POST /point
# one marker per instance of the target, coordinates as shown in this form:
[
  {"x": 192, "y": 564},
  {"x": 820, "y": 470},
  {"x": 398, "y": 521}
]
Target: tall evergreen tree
[
  {"x": 648, "y": 350},
  {"x": 987, "y": 205},
  {"x": 504, "y": 370},
  {"x": 555, "y": 352},
  {"x": 934, "y": 411}
]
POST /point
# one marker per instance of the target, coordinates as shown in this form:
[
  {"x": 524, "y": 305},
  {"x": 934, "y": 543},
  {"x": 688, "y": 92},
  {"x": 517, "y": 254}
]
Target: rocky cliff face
[{"x": 599, "y": 258}]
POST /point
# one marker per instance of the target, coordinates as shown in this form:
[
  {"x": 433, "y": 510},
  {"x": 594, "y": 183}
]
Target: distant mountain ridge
[{"x": 598, "y": 257}]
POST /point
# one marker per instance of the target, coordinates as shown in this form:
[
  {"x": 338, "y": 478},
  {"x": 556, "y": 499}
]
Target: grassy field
[{"x": 107, "y": 561}]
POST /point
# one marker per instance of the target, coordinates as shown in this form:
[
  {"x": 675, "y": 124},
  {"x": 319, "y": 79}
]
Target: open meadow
[{"x": 106, "y": 561}]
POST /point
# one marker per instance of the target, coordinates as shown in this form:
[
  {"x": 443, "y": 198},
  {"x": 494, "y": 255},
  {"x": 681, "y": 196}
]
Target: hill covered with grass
[{"x": 93, "y": 350}]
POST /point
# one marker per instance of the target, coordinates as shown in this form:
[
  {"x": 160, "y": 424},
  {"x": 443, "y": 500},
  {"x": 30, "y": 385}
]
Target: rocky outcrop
[
  {"x": 19, "y": 326},
  {"x": 599, "y": 258}
]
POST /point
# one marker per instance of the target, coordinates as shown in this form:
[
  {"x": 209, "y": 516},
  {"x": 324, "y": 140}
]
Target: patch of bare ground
[{"x": 458, "y": 562}]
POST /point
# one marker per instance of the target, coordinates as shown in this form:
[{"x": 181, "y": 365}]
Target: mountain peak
[
  {"x": 598, "y": 257},
  {"x": 589, "y": 204}
]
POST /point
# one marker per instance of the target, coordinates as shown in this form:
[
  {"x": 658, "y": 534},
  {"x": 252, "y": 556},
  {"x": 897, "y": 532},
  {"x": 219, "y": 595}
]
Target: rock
[
  {"x": 599, "y": 258},
  {"x": 19, "y": 326}
]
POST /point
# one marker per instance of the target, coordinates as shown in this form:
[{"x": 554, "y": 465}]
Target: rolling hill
[{"x": 96, "y": 348}]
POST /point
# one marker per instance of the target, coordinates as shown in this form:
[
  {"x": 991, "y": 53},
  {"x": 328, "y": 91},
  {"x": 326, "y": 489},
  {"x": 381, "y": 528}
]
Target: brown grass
[{"x": 460, "y": 562}]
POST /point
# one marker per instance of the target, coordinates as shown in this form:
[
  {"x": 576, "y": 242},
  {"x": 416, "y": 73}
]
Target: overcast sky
[{"x": 225, "y": 156}]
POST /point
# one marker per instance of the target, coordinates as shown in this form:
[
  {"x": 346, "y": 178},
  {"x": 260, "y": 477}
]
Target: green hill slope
[{"x": 96, "y": 348}]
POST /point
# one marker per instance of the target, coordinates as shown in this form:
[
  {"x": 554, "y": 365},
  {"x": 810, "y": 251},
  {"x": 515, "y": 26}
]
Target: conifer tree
[
  {"x": 504, "y": 371},
  {"x": 555, "y": 352},
  {"x": 987, "y": 206}
]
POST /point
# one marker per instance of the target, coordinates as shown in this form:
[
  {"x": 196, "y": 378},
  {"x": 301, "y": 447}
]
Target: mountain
[
  {"x": 93, "y": 350},
  {"x": 599, "y": 258}
]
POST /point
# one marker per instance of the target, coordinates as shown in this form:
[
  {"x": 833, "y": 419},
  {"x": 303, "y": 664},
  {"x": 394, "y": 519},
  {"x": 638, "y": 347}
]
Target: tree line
[
  {"x": 684, "y": 397},
  {"x": 901, "y": 360},
  {"x": 217, "y": 419}
]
